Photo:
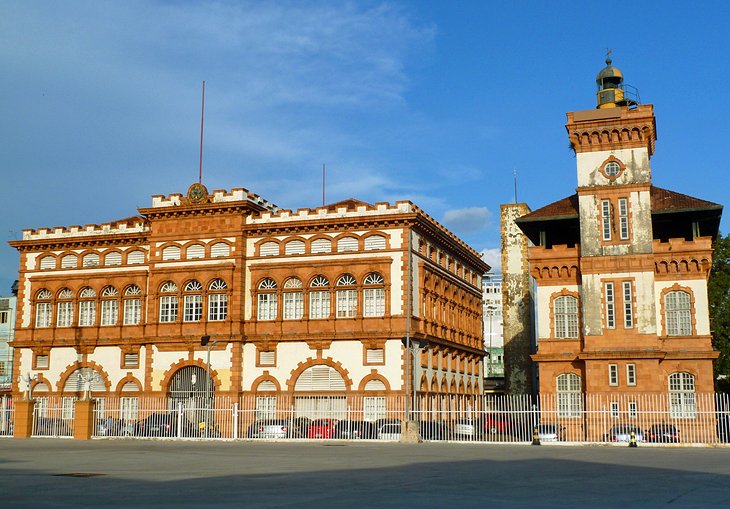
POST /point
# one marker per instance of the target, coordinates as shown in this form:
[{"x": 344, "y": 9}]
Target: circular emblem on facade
[{"x": 197, "y": 193}]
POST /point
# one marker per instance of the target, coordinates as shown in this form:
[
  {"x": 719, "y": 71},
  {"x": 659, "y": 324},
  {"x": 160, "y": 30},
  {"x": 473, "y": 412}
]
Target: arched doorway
[
  {"x": 192, "y": 390},
  {"x": 330, "y": 402}
]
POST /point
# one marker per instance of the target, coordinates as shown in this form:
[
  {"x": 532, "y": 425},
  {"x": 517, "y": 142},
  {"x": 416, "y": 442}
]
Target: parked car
[
  {"x": 550, "y": 432},
  {"x": 48, "y": 426},
  {"x": 321, "y": 428},
  {"x": 354, "y": 430},
  {"x": 665, "y": 433},
  {"x": 273, "y": 428},
  {"x": 466, "y": 429},
  {"x": 622, "y": 433},
  {"x": 157, "y": 425},
  {"x": 390, "y": 431},
  {"x": 435, "y": 430},
  {"x": 496, "y": 423}
]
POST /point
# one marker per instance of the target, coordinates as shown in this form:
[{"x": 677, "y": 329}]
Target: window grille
[
  {"x": 267, "y": 358},
  {"x": 346, "y": 244},
  {"x": 171, "y": 253},
  {"x": 109, "y": 312},
  {"x": 90, "y": 260},
  {"x": 87, "y": 308},
  {"x": 195, "y": 251},
  {"x": 130, "y": 386},
  {"x": 65, "y": 314},
  {"x": 69, "y": 262},
  {"x": 113, "y": 258},
  {"x": 48, "y": 262},
  {"x": 220, "y": 249},
  {"x": 320, "y": 378},
  {"x": 631, "y": 374},
  {"x": 132, "y": 311},
  {"x": 265, "y": 406},
  {"x": 322, "y": 246},
  {"x": 374, "y": 356},
  {"x": 135, "y": 257},
  {"x": 374, "y": 408},
  {"x": 269, "y": 249},
  {"x": 374, "y": 242},
  {"x": 612, "y": 374},
  {"x": 375, "y": 385},
  {"x": 217, "y": 284},
  {"x": 41, "y": 362},
  {"x": 293, "y": 305},
  {"x": 294, "y": 247},
  {"x": 131, "y": 360},
  {"x": 217, "y": 306},
  {"x": 168, "y": 308}
]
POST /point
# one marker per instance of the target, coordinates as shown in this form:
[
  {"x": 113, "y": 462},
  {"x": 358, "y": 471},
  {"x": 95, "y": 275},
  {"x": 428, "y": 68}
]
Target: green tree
[{"x": 719, "y": 295}]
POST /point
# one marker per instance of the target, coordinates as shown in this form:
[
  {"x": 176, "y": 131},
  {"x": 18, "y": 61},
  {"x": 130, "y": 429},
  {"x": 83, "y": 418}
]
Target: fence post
[
  {"x": 235, "y": 419},
  {"x": 179, "y": 418},
  {"x": 23, "y": 426},
  {"x": 83, "y": 419}
]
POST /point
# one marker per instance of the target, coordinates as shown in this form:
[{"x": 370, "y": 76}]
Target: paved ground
[{"x": 42, "y": 473}]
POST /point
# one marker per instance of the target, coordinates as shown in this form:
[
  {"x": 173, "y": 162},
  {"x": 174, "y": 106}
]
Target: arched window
[
  {"x": 69, "y": 261},
  {"x": 294, "y": 247},
  {"x": 267, "y": 300},
  {"x": 374, "y": 295},
  {"x": 346, "y": 297},
  {"x": 87, "y": 307},
  {"x": 319, "y": 298},
  {"x": 193, "y": 302},
  {"x": 90, "y": 260},
  {"x": 65, "y": 308},
  {"x": 171, "y": 253},
  {"x": 113, "y": 258},
  {"x": 132, "y": 305},
  {"x": 374, "y": 242},
  {"x": 347, "y": 244},
  {"x": 195, "y": 251},
  {"x": 135, "y": 257},
  {"x": 269, "y": 249},
  {"x": 217, "y": 300},
  {"x": 220, "y": 249},
  {"x": 320, "y": 378},
  {"x": 109, "y": 306},
  {"x": 565, "y": 315},
  {"x": 168, "y": 303},
  {"x": 43, "y": 309},
  {"x": 678, "y": 314},
  {"x": 48, "y": 262},
  {"x": 569, "y": 395},
  {"x": 293, "y": 299},
  {"x": 322, "y": 246},
  {"x": 682, "y": 395}
]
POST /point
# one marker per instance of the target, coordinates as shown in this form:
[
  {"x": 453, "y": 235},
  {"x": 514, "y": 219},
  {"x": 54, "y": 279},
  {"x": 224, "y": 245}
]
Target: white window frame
[
  {"x": 606, "y": 219},
  {"x": 267, "y": 301},
  {"x": 570, "y": 396},
  {"x": 132, "y": 311},
  {"x": 168, "y": 308},
  {"x": 217, "y": 307},
  {"x": 615, "y": 409},
  {"x": 610, "y": 305},
  {"x": 87, "y": 313},
  {"x": 628, "y": 305},
  {"x": 678, "y": 313},
  {"x": 631, "y": 374},
  {"x": 565, "y": 317},
  {"x": 613, "y": 375},
  {"x": 633, "y": 410},
  {"x": 193, "y": 307},
  {"x": 682, "y": 397},
  {"x": 109, "y": 312},
  {"x": 64, "y": 313},
  {"x": 623, "y": 216}
]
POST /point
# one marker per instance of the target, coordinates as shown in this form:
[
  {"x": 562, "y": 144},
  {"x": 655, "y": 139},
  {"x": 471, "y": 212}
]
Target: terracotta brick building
[
  {"x": 620, "y": 269},
  {"x": 316, "y": 303}
]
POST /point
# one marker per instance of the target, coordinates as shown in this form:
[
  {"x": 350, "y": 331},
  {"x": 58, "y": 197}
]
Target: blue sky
[{"x": 437, "y": 102}]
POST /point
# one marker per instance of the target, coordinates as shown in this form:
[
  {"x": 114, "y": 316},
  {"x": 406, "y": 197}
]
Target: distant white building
[
  {"x": 493, "y": 337},
  {"x": 7, "y": 328}
]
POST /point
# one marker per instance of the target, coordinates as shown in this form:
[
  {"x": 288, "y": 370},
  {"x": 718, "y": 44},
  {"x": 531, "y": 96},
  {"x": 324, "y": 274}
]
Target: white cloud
[
  {"x": 467, "y": 220},
  {"x": 493, "y": 256}
]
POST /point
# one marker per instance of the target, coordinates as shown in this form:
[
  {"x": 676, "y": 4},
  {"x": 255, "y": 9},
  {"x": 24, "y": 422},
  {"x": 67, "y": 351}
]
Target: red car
[
  {"x": 322, "y": 428},
  {"x": 496, "y": 423}
]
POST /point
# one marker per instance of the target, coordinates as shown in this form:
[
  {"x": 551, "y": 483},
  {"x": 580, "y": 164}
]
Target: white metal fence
[
  {"x": 656, "y": 418},
  {"x": 7, "y": 416}
]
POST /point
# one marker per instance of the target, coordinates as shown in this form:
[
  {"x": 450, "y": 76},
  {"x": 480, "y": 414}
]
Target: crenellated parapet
[
  {"x": 684, "y": 258},
  {"x": 612, "y": 128},
  {"x": 129, "y": 225},
  {"x": 238, "y": 194},
  {"x": 557, "y": 264}
]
